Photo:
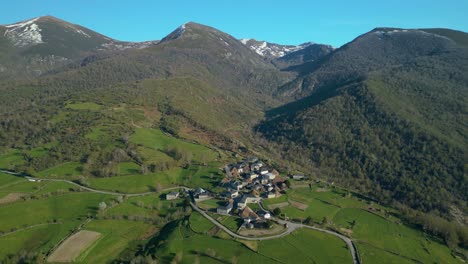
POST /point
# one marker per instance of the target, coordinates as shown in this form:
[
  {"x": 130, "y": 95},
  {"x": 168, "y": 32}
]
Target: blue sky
[{"x": 287, "y": 22}]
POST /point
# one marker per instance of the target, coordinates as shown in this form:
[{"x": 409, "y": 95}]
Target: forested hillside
[{"x": 390, "y": 122}]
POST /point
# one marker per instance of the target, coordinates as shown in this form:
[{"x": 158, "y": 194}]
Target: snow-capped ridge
[
  {"x": 272, "y": 50},
  {"x": 24, "y": 33}
]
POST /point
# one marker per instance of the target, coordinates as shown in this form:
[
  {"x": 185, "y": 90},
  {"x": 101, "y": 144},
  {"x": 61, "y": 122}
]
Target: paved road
[{"x": 291, "y": 225}]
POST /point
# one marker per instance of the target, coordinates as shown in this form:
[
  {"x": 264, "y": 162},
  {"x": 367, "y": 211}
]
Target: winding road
[{"x": 291, "y": 226}]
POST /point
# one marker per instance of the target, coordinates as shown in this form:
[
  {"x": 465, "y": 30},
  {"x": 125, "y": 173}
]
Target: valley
[{"x": 109, "y": 145}]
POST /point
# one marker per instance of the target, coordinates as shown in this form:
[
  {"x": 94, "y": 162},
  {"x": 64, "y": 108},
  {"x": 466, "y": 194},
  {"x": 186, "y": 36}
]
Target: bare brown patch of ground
[
  {"x": 149, "y": 232},
  {"x": 298, "y": 205},
  {"x": 72, "y": 247},
  {"x": 278, "y": 205},
  {"x": 12, "y": 197},
  {"x": 213, "y": 231}
]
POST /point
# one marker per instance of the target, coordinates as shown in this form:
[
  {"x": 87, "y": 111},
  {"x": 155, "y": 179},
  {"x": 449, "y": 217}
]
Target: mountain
[
  {"x": 42, "y": 43},
  {"x": 380, "y": 48},
  {"x": 272, "y": 50},
  {"x": 378, "y": 125},
  {"x": 230, "y": 84},
  {"x": 383, "y": 114}
]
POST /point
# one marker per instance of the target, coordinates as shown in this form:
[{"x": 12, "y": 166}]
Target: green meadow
[
  {"x": 155, "y": 139},
  {"x": 377, "y": 233},
  {"x": 117, "y": 236}
]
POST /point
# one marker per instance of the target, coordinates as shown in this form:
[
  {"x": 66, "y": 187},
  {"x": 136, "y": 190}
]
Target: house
[
  {"x": 230, "y": 193},
  {"x": 271, "y": 195},
  {"x": 251, "y": 175},
  {"x": 237, "y": 185},
  {"x": 234, "y": 172},
  {"x": 256, "y": 166},
  {"x": 246, "y": 199},
  {"x": 172, "y": 196},
  {"x": 270, "y": 176},
  {"x": 241, "y": 204},
  {"x": 265, "y": 179},
  {"x": 252, "y": 199},
  {"x": 248, "y": 215},
  {"x": 201, "y": 194},
  {"x": 225, "y": 209},
  {"x": 298, "y": 177},
  {"x": 263, "y": 171},
  {"x": 264, "y": 214}
]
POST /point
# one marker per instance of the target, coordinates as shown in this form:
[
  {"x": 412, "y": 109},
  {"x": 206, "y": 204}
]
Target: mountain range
[{"x": 384, "y": 114}]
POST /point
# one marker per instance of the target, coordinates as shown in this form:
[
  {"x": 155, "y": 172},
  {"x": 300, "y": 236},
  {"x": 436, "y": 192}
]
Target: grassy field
[
  {"x": 193, "y": 176},
  {"x": 145, "y": 206},
  {"x": 370, "y": 254},
  {"x": 96, "y": 133},
  {"x": 117, "y": 235},
  {"x": 379, "y": 233},
  {"x": 40, "y": 238},
  {"x": 392, "y": 237},
  {"x": 155, "y": 139},
  {"x": 10, "y": 158},
  {"x": 211, "y": 204},
  {"x": 69, "y": 169},
  {"x": 7, "y": 180},
  {"x": 199, "y": 224},
  {"x": 186, "y": 246},
  {"x": 306, "y": 246},
  {"x": 63, "y": 208},
  {"x": 138, "y": 183},
  {"x": 128, "y": 168}
]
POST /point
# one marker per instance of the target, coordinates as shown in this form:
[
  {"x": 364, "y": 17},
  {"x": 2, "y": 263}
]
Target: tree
[
  {"x": 277, "y": 211},
  {"x": 288, "y": 183},
  {"x": 308, "y": 220},
  {"x": 102, "y": 206},
  {"x": 158, "y": 187},
  {"x": 325, "y": 220},
  {"x": 143, "y": 169}
]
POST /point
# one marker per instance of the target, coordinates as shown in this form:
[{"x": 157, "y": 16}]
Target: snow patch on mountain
[
  {"x": 79, "y": 31},
  {"x": 244, "y": 41},
  {"x": 24, "y": 33},
  {"x": 272, "y": 50}
]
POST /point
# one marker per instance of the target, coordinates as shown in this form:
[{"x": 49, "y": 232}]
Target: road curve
[{"x": 291, "y": 225}]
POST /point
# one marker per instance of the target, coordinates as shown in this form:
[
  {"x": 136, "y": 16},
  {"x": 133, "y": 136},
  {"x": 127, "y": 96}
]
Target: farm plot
[
  {"x": 11, "y": 197},
  {"x": 72, "y": 247}
]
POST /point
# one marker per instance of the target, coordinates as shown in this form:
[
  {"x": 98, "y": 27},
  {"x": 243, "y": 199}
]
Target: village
[{"x": 244, "y": 186}]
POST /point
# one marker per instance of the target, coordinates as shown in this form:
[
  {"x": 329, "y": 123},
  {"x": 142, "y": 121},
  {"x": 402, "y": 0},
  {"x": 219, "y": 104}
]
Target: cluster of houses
[
  {"x": 245, "y": 182},
  {"x": 248, "y": 182}
]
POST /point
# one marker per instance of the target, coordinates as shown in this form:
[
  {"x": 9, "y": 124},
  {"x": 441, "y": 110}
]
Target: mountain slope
[
  {"x": 383, "y": 114},
  {"x": 230, "y": 85},
  {"x": 42, "y": 43},
  {"x": 380, "y": 48}
]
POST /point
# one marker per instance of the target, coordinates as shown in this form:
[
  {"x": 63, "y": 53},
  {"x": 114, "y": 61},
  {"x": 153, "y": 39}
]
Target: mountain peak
[{"x": 24, "y": 33}]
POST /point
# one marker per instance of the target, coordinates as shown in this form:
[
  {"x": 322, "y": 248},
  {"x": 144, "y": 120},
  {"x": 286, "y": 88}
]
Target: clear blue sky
[{"x": 287, "y": 22}]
